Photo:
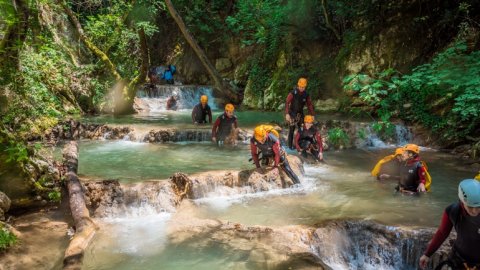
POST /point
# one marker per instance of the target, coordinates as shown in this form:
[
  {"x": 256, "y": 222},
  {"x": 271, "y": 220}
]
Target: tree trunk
[
  {"x": 85, "y": 228},
  {"x": 223, "y": 88},
  {"x": 13, "y": 40},
  {"x": 124, "y": 91},
  {"x": 327, "y": 20}
]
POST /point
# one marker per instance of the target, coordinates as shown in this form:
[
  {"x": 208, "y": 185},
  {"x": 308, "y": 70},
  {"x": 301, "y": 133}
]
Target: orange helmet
[
  {"x": 398, "y": 151},
  {"x": 302, "y": 82},
  {"x": 229, "y": 107},
  {"x": 259, "y": 133},
  {"x": 308, "y": 119},
  {"x": 412, "y": 147},
  {"x": 203, "y": 99}
]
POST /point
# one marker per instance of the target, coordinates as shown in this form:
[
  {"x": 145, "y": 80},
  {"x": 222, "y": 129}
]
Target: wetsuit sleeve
[
  {"x": 276, "y": 150},
  {"x": 194, "y": 113},
  {"x": 442, "y": 233},
  {"x": 421, "y": 174},
  {"x": 209, "y": 115},
  {"x": 289, "y": 101},
  {"x": 215, "y": 127},
  {"x": 310, "y": 106},
  {"x": 297, "y": 138},
  {"x": 319, "y": 141},
  {"x": 253, "y": 151}
]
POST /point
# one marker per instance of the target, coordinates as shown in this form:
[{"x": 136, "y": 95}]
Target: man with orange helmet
[
  {"x": 413, "y": 172},
  {"x": 389, "y": 166},
  {"x": 224, "y": 125},
  {"x": 201, "y": 110},
  {"x": 296, "y": 100},
  {"x": 308, "y": 139},
  {"x": 266, "y": 143}
]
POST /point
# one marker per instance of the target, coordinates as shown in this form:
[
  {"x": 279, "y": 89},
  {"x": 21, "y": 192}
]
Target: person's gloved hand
[
  {"x": 214, "y": 139},
  {"x": 423, "y": 261},
  {"x": 275, "y": 172},
  {"x": 421, "y": 188},
  {"x": 320, "y": 156},
  {"x": 288, "y": 118}
]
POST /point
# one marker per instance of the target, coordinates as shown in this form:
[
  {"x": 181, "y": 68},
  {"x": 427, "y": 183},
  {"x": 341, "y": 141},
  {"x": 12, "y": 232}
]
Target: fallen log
[{"x": 85, "y": 228}]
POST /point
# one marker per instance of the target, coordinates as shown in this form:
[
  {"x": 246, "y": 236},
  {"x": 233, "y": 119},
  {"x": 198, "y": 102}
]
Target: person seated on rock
[
  {"x": 465, "y": 217},
  {"x": 308, "y": 140},
  {"x": 414, "y": 176},
  {"x": 224, "y": 126},
  {"x": 172, "y": 103},
  {"x": 201, "y": 110},
  {"x": 168, "y": 74},
  {"x": 265, "y": 142},
  {"x": 389, "y": 166}
]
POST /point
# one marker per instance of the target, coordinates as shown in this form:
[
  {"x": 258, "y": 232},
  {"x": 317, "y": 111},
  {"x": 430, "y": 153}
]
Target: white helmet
[{"x": 469, "y": 192}]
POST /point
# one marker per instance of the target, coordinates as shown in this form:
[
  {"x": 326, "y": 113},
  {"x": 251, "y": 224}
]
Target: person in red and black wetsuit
[
  {"x": 412, "y": 173},
  {"x": 296, "y": 100},
  {"x": 269, "y": 146},
  {"x": 222, "y": 128},
  {"x": 465, "y": 217},
  {"x": 308, "y": 140}
]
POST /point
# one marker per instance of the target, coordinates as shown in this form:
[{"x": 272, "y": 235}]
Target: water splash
[{"x": 155, "y": 99}]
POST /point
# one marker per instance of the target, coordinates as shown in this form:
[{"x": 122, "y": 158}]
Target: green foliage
[
  {"x": 7, "y": 238},
  {"x": 442, "y": 95},
  {"x": 337, "y": 137},
  {"x": 55, "y": 196}
]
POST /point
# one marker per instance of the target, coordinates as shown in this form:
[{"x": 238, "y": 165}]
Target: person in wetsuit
[
  {"x": 201, "y": 111},
  {"x": 224, "y": 125},
  {"x": 412, "y": 172},
  {"x": 267, "y": 144},
  {"x": 308, "y": 140},
  {"x": 389, "y": 166},
  {"x": 464, "y": 216},
  {"x": 296, "y": 100}
]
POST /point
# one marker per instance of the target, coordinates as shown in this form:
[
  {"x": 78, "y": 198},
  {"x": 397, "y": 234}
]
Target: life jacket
[
  {"x": 271, "y": 129},
  {"x": 308, "y": 134},
  {"x": 225, "y": 126},
  {"x": 173, "y": 69},
  {"x": 428, "y": 178},
  {"x": 298, "y": 102},
  {"x": 468, "y": 233},
  {"x": 266, "y": 148},
  {"x": 201, "y": 113},
  {"x": 376, "y": 170}
]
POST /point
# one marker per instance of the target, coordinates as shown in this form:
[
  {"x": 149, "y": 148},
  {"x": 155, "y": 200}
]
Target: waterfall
[
  {"x": 153, "y": 98},
  {"x": 373, "y": 140},
  {"x": 367, "y": 245}
]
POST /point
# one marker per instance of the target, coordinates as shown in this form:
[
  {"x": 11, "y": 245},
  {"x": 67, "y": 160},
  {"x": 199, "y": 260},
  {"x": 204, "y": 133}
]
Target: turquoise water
[{"x": 340, "y": 189}]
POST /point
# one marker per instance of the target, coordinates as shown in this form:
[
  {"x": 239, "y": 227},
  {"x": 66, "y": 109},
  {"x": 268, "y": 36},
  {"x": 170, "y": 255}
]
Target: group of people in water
[
  {"x": 405, "y": 166},
  {"x": 265, "y": 144}
]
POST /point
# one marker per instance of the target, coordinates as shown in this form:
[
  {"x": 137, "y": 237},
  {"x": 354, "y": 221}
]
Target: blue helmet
[{"x": 469, "y": 192}]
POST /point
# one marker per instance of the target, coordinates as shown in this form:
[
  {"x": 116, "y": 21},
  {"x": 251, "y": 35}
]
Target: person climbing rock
[
  {"x": 201, "y": 111},
  {"x": 413, "y": 172},
  {"x": 225, "y": 126},
  {"x": 389, "y": 166},
  {"x": 265, "y": 142},
  {"x": 172, "y": 103},
  {"x": 296, "y": 100},
  {"x": 465, "y": 217},
  {"x": 308, "y": 140}
]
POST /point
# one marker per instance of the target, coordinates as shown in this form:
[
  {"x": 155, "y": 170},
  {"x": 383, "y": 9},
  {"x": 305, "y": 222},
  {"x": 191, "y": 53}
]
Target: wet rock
[
  {"x": 110, "y": 198},
  {"x": 327, "y": 105},
  {"x": 5, "y": 203}
]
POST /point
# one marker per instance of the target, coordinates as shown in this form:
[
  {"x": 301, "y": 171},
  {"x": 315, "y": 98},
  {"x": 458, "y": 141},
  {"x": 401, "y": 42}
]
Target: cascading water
[
  {"x": 154, "y": 98},
  {"x": 372, "y": 139}
]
